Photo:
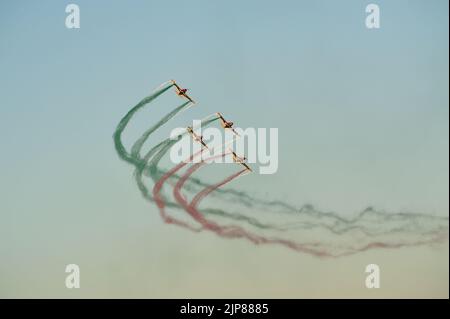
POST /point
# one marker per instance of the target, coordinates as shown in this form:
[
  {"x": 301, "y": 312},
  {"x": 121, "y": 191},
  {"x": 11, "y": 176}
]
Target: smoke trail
[
  {"x": 152, "y": 169},
  {"x": 370, "y": 222},
  {"x": 307, "y": 217},
  {"x": 227, "y": 231},
  {"x": 120, "y": 148},
  {"x": 144, "y": 166},
  {"x": 316, "y": 249},
  {"x": 137, "y": 146},
  {"x": 240, "y": 196},
  {"x": 160, "y": 202},
  {"x": 212, "y": 188},
  {"x": 158, "y": 152}
]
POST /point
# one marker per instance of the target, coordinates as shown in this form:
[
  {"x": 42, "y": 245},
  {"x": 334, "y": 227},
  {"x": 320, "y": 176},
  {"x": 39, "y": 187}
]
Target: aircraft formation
[
  {"x": 374, "y": 228},
  {"x": 226, "y": 125}
]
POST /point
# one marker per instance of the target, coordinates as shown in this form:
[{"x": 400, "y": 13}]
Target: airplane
[
  {"x": 181, "y": 92},
  {"x": 196, "y": 137},
  {"x": 240, "y": 160},
  {"x": 226, "y": 124}
]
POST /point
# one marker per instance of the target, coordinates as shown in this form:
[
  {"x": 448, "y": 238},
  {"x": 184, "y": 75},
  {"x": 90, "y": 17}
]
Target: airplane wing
[
  {"x": 246, "y": 166},
  {"x": 234, "y": 131},
  {"x": 200, "y": 140},
  {"x": 176, "y": 85},
  {"x": 233, "y": 154},
  {"x": 204, "y": 144},
  {"x": 196, "y": 138},
  {"x": 188, "y": 97}
]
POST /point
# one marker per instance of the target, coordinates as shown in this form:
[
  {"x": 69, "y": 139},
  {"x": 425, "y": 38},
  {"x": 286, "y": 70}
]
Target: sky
[{"x": 362, "y": 116}]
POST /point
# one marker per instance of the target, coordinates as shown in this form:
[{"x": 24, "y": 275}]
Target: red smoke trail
[
  {"x": 227, "y": 231},
  {"x": 234, "y": 231},
  {"x": 193, "y": 210},
  {"x": 212, "y": 188},
  {"x": 160, "y": 201}
]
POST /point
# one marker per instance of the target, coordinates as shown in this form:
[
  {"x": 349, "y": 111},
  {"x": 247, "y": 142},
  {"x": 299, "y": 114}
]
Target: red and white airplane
[
  {"x": 240, "y": 160},
  {"x": 226, "y": 124},
  {"x": 196, "y": 137},
  {"x": 181, "y": 92}
]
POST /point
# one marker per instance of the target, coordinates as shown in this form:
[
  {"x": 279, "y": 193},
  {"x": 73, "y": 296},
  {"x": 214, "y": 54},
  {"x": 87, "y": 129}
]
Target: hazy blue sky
[{"x": 362, "y": 117}]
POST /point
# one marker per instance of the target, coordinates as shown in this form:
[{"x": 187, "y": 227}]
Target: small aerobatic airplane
[
  {"x": 181, "y": 92},
  {"x": 195, "y": 137},
  {"x": 240, "y": 160},
  {"x": 225, "y": 124}
]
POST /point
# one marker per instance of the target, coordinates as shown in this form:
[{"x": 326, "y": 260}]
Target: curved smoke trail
[
  {"x": 149, "y": 166},
  {"x": 331, "y": 221},
  {"x": 369, "y": 222},
  {"x": 316, "y": 249},
  {"x": 226, "y": 231},
  {"x": 117, "y": 136}
]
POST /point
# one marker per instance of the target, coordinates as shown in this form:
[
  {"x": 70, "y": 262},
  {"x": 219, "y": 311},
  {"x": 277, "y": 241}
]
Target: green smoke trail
[
  {"x": 137, "y": 146},
  {"x": 149, "y": 163},
  {"x": 134, "y": 156},
  {"x": 332, "y": 221},
  {"x": 120, "y": 148},
  {"x": 152, "y": 167},
  {"x": 156, "y": 173}
]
